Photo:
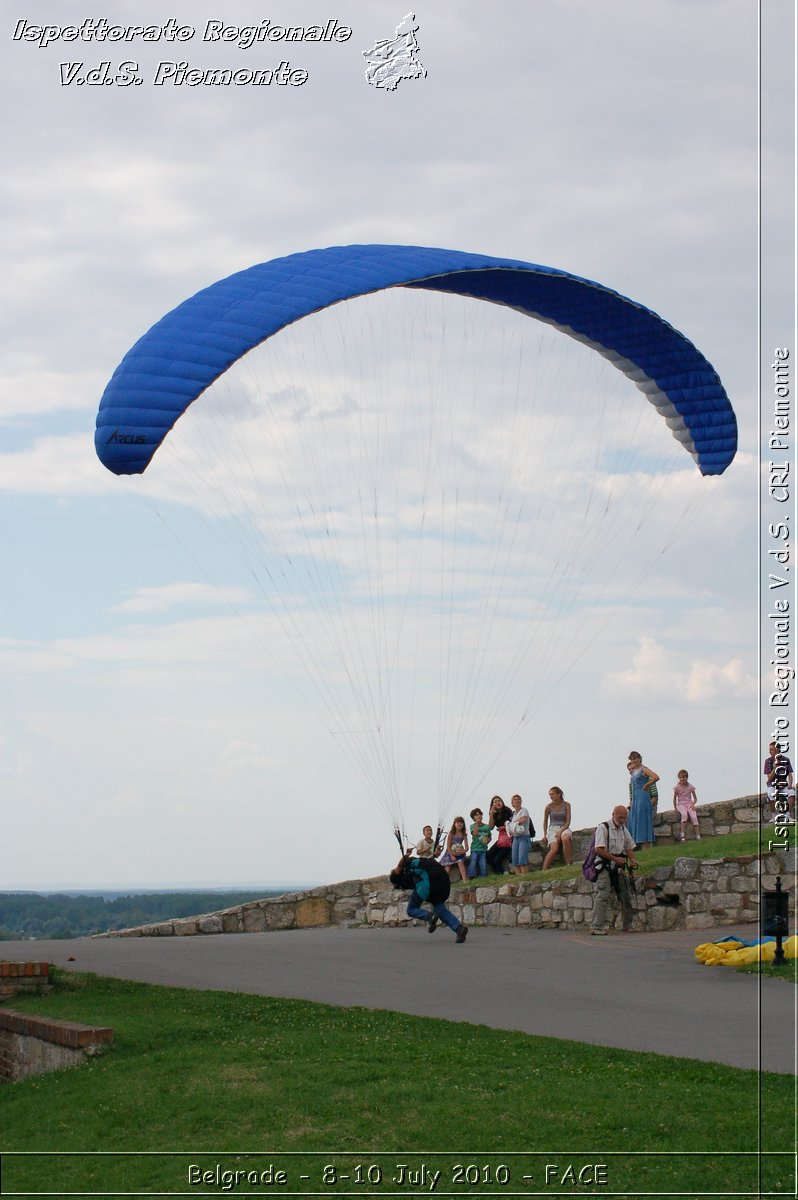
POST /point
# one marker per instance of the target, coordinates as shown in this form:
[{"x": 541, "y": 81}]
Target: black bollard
[{"x": 775, "y": 919}]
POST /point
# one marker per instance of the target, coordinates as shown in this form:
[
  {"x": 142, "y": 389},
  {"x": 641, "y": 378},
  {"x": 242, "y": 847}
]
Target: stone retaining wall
[
  {"x": 333, "y": 904},
  {"x": 692, "y": 894}
]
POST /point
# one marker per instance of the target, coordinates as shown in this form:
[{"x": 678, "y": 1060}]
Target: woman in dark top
[{"x": 499, "y": 853}]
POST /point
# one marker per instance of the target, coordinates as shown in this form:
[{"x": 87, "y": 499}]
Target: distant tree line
[{"x": 26, "y": 915}]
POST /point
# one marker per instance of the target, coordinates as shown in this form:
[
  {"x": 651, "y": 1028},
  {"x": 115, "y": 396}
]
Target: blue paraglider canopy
[
  {"x": 198, "y": 341},
  {"x": 431, "y": 506}
]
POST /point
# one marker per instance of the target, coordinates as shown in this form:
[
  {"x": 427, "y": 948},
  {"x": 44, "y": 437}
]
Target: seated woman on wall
[
  {"x": 501, "y": 850},
  {"x": 556, "y": 828}
]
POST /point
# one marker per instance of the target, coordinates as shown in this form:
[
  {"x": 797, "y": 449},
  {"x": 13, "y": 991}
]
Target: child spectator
[
  {"x": 456, "y": 852},
  {"x": 684, "y": 801},
  {"x": 425, "y": 847},
  {"x": 480, "y": 840}
]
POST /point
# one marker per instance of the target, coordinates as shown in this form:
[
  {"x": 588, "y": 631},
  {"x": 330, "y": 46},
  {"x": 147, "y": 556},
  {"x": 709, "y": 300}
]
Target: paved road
[{"x": 639, "y": 991}]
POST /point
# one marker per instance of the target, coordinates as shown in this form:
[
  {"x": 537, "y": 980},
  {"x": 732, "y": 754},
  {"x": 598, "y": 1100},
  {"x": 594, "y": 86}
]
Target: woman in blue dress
[{"x": 642, "y": 801}]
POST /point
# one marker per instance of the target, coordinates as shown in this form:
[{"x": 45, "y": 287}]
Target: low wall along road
[{"x": 689, "y": 894}]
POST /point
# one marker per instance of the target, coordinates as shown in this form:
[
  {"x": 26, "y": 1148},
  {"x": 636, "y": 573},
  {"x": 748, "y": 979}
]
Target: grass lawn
[{"x": 237, "y": 1082}]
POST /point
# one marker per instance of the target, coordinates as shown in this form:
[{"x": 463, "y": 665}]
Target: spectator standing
[
  {"x": 779, "y": 779},
  {"x": 642, "y": 800},
  {"x": 614, "y": 851},
  {"x": 521, "y": 831},
  {"x": 480, "y": 840}
]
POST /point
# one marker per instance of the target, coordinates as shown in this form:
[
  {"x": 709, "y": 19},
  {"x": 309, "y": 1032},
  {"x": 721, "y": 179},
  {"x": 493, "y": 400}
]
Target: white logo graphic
[{"x": 390, "y": 60}]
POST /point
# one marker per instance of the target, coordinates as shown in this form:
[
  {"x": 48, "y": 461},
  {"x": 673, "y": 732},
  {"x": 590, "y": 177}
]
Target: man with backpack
[
  {"x": 427, "y": 881},
  {"x": 614, "y": 851}
]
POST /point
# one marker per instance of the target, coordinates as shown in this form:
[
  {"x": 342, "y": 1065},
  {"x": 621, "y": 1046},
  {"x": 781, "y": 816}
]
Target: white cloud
[
  {"x": 55, "y": 466},
  {"x": 27, "y": 394},
  {"x": 660, "y": 674},
  {"x": 238, "y": 755},
  {"x": 176, "y": 595}
]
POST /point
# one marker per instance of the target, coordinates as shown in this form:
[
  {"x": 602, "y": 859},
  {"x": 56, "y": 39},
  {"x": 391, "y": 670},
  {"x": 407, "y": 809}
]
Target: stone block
[
  {"x": 350, "y": 887},
  {"x": 210, "y": 924},
  {"x": 657, "y": 918},
  {"x": 746, "y": 817},
  {"x": 254, "y": 919},
  {"x": 282, "y": 917},
  {"x": 186, "y": 928},
  {"x": 312, "y": 912},
  {"x": 728, "y": 903},
  {"x": 699, "y": 921}
]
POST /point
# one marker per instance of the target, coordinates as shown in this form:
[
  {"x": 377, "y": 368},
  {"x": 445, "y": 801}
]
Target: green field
[
  {"x": 210, "y": 1093},
  {"x": 217, "y": 1082}
]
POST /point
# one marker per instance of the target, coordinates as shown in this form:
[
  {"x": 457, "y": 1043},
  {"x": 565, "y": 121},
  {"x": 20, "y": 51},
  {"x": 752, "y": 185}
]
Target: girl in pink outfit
[{"x": 684, "y": 801}]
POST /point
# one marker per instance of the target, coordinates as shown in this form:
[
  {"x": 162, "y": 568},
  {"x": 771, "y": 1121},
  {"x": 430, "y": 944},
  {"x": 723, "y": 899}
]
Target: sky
[{"x": 154, "y": 730}]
